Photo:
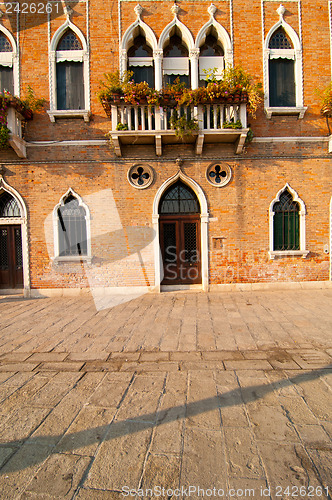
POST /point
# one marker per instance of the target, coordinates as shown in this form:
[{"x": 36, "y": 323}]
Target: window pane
[
  {"x": 143, "y": 74},
  {"x": 5, "y": 45},
  {"x": 286, "y": 223},
  {"x": 9, "y": 206},
  {"x": 72, "y": 228},
  {"x": 70, "y": 87},
  {"x": 6, "y": 79},
  {"x": 282, "y": 82},
  {"x": 170, "y": 79},
  {"x": 69, "y": 41},
  {"x": 179, "y": 199}
]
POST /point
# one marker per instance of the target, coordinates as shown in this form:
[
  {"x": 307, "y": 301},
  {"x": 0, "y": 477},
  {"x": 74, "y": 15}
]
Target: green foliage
[
  {"x": 113, "y": 84},
  {"x": 182, "y": 125},
  {"x": 122, "y": 126},
  {"x": 4, "y": 136},
  {"x": 326, "y": 101},
  {"x": 232, "y": 124},
  {"x": 31, "y": 101}
]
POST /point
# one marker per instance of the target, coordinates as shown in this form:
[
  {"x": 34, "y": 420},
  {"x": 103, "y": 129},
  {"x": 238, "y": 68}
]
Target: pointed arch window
[
  {"x": 211, "y": 56},
  {"x": 176, "y": 60},
  {"x": 69, "y": 73},
  {"x": 281, "y": 70},
  {"x": 179, "y": 199},
  {"x": 72, "y": 228},
  {"x": 140, "y": 61},
  {"x": 287, "y": 224},
  {"x": 6, "y": 64},
  {"x": 9, "y": 206}
]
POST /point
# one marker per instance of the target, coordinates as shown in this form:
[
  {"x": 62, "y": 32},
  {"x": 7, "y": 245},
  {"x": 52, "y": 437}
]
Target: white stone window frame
[
  {"x": 223, "y": 38},
  {"x": 128, "y": 40},
  {"x": 56, "y": 56},
  {"x": 11, "y": 59},
  {"x": 71, "y": 258},
  {"x": 23, "y": 222},
  {"x": 296, "y": 55},
  {"x": 302, "y": 239}
]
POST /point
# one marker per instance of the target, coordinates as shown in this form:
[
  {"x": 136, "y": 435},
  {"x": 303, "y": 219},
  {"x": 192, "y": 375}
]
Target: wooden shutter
[
  {"x": 70, "y": 85},
  {"x": 282, "y": 82},
  {"x": 6, "y": 79}
]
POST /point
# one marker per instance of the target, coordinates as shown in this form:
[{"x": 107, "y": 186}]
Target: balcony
[{"x": 143, "y": 124}]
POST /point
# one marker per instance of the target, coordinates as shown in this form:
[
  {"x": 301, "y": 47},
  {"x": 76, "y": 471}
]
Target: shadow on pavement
[{"x": 115, "y": 429}]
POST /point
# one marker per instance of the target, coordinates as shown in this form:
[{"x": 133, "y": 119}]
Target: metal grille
[
  {"x": 18, "y": 248},
  {"x": 190, "y": 242},
  {"x": 9, "y": 206},
  {"x": 179, "y": 199},
  {"x": 72, "y": 228},
  {"x": 280, "y": 41},
  {"x": 286, "y": 223},
  {"x": 169, "y": 242},
  {"x": 5, "y": 45},
  {"x": 69, "y": 41},
  {"x": 3, "y": 249}
]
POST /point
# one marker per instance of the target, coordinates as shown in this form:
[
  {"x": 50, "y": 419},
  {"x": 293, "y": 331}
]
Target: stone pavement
[{"x": 222, "y": 395}]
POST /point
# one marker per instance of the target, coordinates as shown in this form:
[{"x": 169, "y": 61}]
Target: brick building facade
[{"x": 140, "y": 206}]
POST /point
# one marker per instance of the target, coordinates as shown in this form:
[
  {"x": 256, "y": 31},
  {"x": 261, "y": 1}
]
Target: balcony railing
[{"x": 143, "y": 124}]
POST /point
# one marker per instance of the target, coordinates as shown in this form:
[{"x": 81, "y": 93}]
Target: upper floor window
[
  {"x": 69, "y": 73},
  {"x": 281, "y": 70},
  {"x": 176, "y": 60},
  {"x": 140, "y": 61},
  {"x": 6, "y": 65},
  {"x": 211, "y": 56}
]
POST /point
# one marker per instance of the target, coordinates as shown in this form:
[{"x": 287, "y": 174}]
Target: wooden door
[
  {"x": 11, "y": 262},
  {"x": 180, "y": 247}
]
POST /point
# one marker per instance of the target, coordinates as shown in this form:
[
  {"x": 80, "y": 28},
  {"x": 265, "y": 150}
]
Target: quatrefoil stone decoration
[
  {"x": 140, "y": 176},
  {"x": 219, "y": 174}
]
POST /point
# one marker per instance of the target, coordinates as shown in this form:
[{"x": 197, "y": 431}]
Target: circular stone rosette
[
  {"x": 219, "y": 174},
  {"x": 140, "y": 176}
]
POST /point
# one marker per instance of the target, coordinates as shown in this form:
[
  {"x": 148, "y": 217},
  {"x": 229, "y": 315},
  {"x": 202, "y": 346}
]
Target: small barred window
[
  {"x": 72, "y": 228},
  {"x": 286, "y": 223},
  {"x": 5, "y": 45},
  {"x": 69, "y": 41},
  {"x": 280, "y": 40}
]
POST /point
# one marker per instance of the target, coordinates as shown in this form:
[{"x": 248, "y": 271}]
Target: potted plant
[
  {"x": 233, "y": 125},
  {"x": 172, "y": 93},
  {"x": 326, "y": 102},
  {"x": 136, "y": 93}
]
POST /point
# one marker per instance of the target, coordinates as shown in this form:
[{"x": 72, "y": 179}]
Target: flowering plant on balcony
[
  {"x": 183, "y": 125},
  {"x": 136, "y": 93},
  {"x": 24, "y": 107},
  {"x": 326, "y": 100},
  {"x": 112, "y": 87}
]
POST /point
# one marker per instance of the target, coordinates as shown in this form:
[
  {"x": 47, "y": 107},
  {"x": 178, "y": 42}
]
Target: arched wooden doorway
[
  {"x": 11, "y": 254},
  {"x": 179, "y": 232}
]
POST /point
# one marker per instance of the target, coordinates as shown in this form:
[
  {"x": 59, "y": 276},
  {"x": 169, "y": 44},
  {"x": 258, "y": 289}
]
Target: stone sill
[
  {"x": 72, "y": 258},
  {"x": 295, "y": 110},
  {"x": 288, "y": 253},
  {"x": 69, "y": 113}
]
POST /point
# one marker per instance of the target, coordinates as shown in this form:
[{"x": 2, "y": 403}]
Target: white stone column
[
  {"x": 194, "y": 57},
  {"x": 158, "y": 72}
]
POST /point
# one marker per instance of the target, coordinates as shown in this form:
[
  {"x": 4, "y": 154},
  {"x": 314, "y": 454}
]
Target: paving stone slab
[
  {"x": 125, "y": 356},
  {"x": 61, "y": 473},
  {"x": 185, "y": 356},
  {"x": 70, "y": 366},
  {"x": 17, "y": 367},
  {"x": 222, "y": 355},
  {"x": 88, "y": 356},
  {"x": 48, "y": 356},
  {"x": 242, "y": 455},
  {"x": 247, "y": 364},
  {"x": 154, "y": 356},
  {"x": 14, "y": 357},
  {"x": 102, "y": 366}
]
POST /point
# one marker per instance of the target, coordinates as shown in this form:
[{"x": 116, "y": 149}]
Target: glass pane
[
  {"x": 190, "y": 242},
  {"x": 3, "y": 249},
  {"x": 5, "y": 45},
  {"x": 69, "y": 41},
  {"x": 286, "y": 223},
  {"x": 18, "y": 248},
  {"x": 280, "y": 40},
  {"x": 169, "y": 242},
  {"x": 282, "y": 82},
  {"x": 70, "y": 86},
  {"x": 179, "y": 199},
  {"x": 6, "y": 79},
  {"x": 143, "y": 74},
  {"x": 9, "y": 206},
  {"x": 72, "y": 228}
]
